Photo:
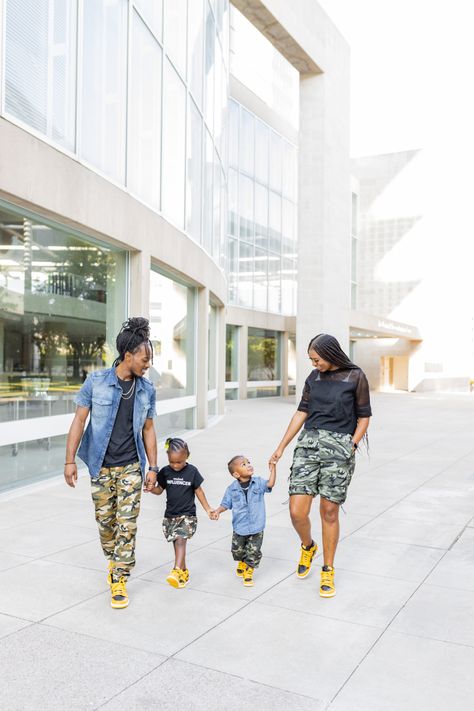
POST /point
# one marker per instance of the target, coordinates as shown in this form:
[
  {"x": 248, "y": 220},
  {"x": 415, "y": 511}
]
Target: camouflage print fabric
[
  {"x": 323, "y": 463},
  {"x": 179, "y": 527},
  {"x": 247, "y": 548},
  {"x": 116, "y": 494}
]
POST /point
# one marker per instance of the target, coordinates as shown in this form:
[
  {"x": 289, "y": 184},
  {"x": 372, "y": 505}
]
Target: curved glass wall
[
  {"x": 62, "y": 301},
  {"x": 136, "y": 89},
  {"x": 261, "y": 229}
]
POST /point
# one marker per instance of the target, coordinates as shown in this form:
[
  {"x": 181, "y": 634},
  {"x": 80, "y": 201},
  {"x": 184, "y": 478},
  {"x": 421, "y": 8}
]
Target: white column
[
  {"x": 202, "y": 357},
  {"x": 221, "y": 341},
  {"x": 324, "y": 202}
]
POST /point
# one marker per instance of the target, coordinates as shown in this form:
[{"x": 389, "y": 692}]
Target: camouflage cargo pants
[
  {"x": 247, "y": 548},
  {"x": 323, "y": 463},
  {"x": 116, "y": 494}
]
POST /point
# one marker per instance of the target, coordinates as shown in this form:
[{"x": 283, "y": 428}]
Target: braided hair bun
[{"x": 134, "y": 333}]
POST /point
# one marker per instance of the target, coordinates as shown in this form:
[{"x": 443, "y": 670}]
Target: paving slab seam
[
  {"x": 125, "y": 688},
  {"x": 435, "y": 639},
  {"x": 386, "y": 628},
  {"x": 317, "y": 614},
  {"x": 26, "y": 627},
  {"x": 381, "y": 513},
  {"x": 70, "y": 607}
]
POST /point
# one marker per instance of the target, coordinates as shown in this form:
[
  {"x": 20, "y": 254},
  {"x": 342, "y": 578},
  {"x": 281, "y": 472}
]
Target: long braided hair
[
  {"x": 328, "y": 348},
  {"x": 134, "y": 333}
]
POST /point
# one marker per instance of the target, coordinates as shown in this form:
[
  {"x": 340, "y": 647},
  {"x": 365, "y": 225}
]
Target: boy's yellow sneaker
[
  {"x": 248, "y": 576},
  {"x": 327, "y": 587},
  {"x": 306, "y": 558},
  {"x": 119, "y": 594},
  {"x": 178, "y": 578},
  {"x": 240, "y": 569}
]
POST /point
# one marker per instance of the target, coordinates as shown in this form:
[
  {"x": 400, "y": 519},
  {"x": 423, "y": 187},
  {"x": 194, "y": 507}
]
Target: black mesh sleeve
[
  {"x": 362, "y": 399},
  {"x": 304, "y": 402}
]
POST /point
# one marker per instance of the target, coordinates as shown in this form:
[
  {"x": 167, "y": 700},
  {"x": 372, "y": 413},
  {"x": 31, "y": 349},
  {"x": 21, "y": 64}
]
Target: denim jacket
[
  {"x": 101, "y": 393},
  {"x": 248, "y": 514}
]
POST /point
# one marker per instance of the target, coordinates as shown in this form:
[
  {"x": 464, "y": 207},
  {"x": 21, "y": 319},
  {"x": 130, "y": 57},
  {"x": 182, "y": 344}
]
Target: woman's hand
[{"x": 277, "y": 454}]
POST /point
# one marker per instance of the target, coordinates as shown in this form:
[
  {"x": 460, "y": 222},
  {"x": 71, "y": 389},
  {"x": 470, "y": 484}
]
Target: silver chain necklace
[{"x": 129, "y": 392}]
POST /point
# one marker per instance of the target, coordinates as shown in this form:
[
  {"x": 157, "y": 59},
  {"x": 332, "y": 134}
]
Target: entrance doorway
[{"x": 394, "y": 373}]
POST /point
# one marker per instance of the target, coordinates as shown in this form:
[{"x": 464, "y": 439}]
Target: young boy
[{"x": 245, "y": 497}]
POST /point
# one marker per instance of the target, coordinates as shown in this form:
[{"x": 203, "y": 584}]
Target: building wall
[{"x": 414, "y": 262}]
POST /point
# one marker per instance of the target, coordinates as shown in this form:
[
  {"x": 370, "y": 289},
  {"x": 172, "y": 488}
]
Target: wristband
[
  {"x": 66, "y": 463},
  {"x": 355, "y": 445},
  {"x": 154, "y": 469}
]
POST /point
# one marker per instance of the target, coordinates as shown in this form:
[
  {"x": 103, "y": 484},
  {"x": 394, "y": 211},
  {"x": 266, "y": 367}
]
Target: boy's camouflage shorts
[
  {"x": 323, "y": 463},
  {"x": 179, "y": 527}
]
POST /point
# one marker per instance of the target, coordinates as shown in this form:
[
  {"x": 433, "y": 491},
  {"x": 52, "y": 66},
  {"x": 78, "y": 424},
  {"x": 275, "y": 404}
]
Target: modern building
[
  {"x": 413, "y": 325},
  {"x": 186, "y": 160}
]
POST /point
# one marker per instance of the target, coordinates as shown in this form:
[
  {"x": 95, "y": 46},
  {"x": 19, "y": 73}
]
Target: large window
[
  {"x": 147, "y": 81},
  {"x": 232, "y": 362},
  {"x": 104, "y": 87},
  {"x": 62, "y": 301},
  {"x": 40, "y": 67},
  {"x": 262, "y": 216},
  {"x": 144, "y": 132},
  {"x": 172, "y": 322},
  {"x": 264, "y": 357}
]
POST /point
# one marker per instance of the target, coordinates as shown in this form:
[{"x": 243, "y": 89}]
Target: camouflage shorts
[
  {"x": 323, "y": 463},
  {"x": 179, "y": 527}
]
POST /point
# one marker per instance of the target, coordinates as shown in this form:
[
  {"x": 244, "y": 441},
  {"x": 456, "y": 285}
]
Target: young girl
[{"x": 182, "y": 482}]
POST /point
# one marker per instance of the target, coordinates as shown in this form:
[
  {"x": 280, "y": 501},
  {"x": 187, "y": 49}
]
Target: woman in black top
[{"x": 335, "y": 412}]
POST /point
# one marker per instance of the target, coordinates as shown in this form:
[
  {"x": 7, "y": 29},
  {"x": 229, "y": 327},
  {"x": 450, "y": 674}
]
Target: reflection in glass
[
  {"x": 209, "y": 69},
  {"x": 40, "y": 67},
  {"x": 232, "y": 269},
  {"x": 172, "y": 334},
  {"x": 62, "y": 302},
  {"x": 196, "y": 49},
  {"x": 208, "y": 223},
  {"x": 174, "y": 112},
  {"x": 232, "y": 354},
  {"x": 144, "y": 131},
  {"x": 260, "y": 279},
  {"x": 276, "y": 161},
  {"x": 274, "y": 219},
  {"x": 261, "y": 216},
  {"x": 274, "y": 287},
  {"x": 175, "y": 19},
  {"x": 288, "y": 286},
  {"x": 245, "y": 279},
  {"x": 263, "y": 360},
  {"x": 104, "y": 86},
  {"x": 152, "y": 13},
  {"x": 247, "y": 142},
  {"x": 261, "y": 152},
  {"x": 246, "y": 208},
  {"x": 194, "y": 172},
  {"x": 234, "y": 113}
]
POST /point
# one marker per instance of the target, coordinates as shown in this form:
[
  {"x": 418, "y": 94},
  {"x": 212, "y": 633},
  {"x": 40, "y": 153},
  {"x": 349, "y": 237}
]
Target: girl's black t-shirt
[
  {"x": 335, "y": 399},
  {"x": 180, "y": 487}
]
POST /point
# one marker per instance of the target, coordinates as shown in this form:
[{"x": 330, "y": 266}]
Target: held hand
[
  {"x": 150, "y": 481},
  {"x": 213, "y": 515},
  {"x": 277, "y": 454},
  {"x": 70, "y": 474}
]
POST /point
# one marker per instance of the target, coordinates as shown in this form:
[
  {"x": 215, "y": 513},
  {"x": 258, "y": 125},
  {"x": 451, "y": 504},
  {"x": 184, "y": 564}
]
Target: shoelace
[
  {"x": 327, "y": 578},
  {"x": 119, "y": 588},
  {"x": 305, "y": 557}
]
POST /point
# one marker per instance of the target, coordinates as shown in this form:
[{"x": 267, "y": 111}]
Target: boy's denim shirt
[
  {"x": 248, "y": 514},
  {"x": 101, "y": 393}
]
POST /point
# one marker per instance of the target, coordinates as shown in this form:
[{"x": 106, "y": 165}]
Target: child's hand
[{"x": 213, "y": 515}]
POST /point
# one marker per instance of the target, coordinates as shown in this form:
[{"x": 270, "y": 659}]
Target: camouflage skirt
[
  {"x": 179, "y": 527},
  {"x": 323, "y": 463}
]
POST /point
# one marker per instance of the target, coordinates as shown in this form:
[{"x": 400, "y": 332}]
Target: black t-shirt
[
  {"x": 122, "y": 449},
  {"x": 180, "y": 488},
  {"x": 334, "y": 400},
  {"x": 245, "y": 486}
]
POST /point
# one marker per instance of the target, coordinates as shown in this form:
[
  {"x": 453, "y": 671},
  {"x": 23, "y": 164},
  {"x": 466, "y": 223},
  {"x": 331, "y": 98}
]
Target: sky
[{"x": 411, "y": 73}]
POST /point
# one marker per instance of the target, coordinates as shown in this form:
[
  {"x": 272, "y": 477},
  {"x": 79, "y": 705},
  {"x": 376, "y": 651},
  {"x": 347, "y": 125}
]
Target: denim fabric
[
  {"x": 101, "y": 393},
  {"x": 248, "y": 514}
]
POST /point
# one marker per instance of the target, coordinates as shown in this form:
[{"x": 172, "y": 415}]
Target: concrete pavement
[{"x": 398, "y": 636}]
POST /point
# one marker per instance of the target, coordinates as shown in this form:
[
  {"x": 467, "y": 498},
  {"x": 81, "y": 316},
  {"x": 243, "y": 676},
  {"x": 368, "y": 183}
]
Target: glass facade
[
  {"x": 122, "y": 86},
  {"x": 261, "y": 227},
  {"x": 62, "y": 302},
  {"x": 232, "y": 362}
]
